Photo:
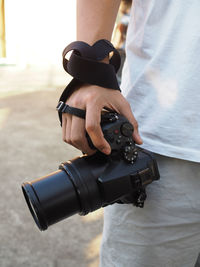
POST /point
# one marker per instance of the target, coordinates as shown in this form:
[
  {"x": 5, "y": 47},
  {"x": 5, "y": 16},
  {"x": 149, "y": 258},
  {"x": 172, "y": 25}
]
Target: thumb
[{"x": 93, "y": 128}]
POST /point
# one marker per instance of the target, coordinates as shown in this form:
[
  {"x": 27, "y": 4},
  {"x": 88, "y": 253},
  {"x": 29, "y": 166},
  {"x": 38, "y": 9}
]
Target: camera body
[
  {"x": 87, "y": 183},
  {"x": 118, "y": 132}
]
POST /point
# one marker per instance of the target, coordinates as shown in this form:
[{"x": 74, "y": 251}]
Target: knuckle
[
  {"x": 90, "y": 127},
  {"x": 75, "y": 140},
  {"x": 89, "y": 99},
  {"x": 76, "y": 102},
  {"x": 68, "y": 141},
  {"x": 92, "y": 97},
  {"x": 135, "y": 125},
  {"x": 126, "y": 104},
  {"x": 99, "y": 144}
]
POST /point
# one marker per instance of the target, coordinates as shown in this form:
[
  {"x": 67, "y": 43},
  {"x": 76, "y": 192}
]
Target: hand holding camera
[
  {"x": 87, "y": 183},
  {"x": 93, "y": 99}
]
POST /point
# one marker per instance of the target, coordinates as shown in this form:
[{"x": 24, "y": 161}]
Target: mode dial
[
  {"x": 127, "y": 129},
  {"x": 130, "y": 154}
]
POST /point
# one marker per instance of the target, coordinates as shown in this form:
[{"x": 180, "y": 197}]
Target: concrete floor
[{"x": 30, "y": 147}]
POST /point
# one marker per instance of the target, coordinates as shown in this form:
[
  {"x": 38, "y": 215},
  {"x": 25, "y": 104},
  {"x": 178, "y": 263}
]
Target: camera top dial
[{"x": 118, "y": 131}]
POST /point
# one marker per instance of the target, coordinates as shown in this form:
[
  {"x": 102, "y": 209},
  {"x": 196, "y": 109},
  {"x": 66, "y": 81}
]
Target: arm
[{"x": 95, "y": 20}]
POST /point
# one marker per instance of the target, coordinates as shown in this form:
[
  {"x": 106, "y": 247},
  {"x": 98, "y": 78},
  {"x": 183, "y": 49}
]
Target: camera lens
[
  {"x": 33, "y": 205},
  {"x": 51, "y": 198},
  {"x": 70, "y": 190}
]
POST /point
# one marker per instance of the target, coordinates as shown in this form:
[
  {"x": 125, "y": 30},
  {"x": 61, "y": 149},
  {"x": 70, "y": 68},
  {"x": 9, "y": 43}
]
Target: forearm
[{"x": 96, "y": 19}]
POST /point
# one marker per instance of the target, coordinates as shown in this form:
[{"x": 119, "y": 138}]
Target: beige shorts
[{"x": 166, "y": 232}]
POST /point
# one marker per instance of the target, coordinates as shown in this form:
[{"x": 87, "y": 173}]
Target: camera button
[
  {"x": 116, "y": 131},
  {"x": 118, "y": 141}
]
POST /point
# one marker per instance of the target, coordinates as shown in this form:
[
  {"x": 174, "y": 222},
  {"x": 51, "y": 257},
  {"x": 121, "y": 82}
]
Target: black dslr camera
[{"x": 87, "y": 183}]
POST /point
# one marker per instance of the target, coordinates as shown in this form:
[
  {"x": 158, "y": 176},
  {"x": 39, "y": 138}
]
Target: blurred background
[
  {"x": 33, "y": 35},
  {"x": 34, "y": 32}
]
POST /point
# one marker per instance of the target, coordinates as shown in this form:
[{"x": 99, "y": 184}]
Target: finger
[
  {"x": 68, "y": 129},
  {"x": 127, "y": 112},
  {"x": 78, "y": 135},
  {"x": 64, "y": 123},
  {"x": 93, "y": 128}
]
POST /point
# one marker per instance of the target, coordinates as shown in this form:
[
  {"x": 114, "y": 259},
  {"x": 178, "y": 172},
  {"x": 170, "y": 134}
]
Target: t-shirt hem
[{"x": 171, "y": 151}]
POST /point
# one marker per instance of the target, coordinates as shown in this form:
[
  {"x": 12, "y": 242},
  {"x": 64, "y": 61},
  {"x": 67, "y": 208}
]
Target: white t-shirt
[{"x": 161, "y": 75}]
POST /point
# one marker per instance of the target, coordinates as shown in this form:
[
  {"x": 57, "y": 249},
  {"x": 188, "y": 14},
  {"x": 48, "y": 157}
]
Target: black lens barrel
[
  {"x": 51, "y": 198},
  {"x": 83, "y": 172},
  {"x": 70, "y": 190}
]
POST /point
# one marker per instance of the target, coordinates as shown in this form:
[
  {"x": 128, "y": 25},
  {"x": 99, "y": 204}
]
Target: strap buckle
[{"x": 60, "y": 106}]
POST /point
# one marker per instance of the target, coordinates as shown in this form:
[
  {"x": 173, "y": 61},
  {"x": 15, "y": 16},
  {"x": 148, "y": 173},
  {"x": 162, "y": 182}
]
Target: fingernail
[
  {"x": 106, "y": 151},
  {"x": 140, "y": 140}
]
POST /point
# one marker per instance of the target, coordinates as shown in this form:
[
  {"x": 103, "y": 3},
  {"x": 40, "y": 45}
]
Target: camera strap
[
  {"x": 86, "y": 67},
  {"x": 81, "y": 113},
  {"x": 64, "y": 108},
  {"x": 84, "y": 63}
]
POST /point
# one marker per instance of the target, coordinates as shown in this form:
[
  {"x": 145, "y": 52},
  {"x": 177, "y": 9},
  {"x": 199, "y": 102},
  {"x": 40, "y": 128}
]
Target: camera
[{"x": 87, "y": 183}]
